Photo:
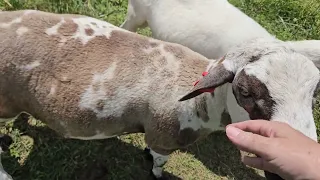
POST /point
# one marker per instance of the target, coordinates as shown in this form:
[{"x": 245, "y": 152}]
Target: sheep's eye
[{"x": 244, "y": 92}]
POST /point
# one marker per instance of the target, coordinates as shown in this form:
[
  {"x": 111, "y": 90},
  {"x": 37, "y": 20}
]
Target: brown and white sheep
[{"x": 87, "y": 79}]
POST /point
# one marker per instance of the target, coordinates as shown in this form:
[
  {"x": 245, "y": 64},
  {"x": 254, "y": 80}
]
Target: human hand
[{"x": 280, "y": 148}]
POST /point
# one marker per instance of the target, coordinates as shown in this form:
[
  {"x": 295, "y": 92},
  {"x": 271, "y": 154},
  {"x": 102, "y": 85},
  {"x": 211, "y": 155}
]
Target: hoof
[
  {"x": 157, "y": 178},
  {"x": 147, "y": 150},
  {"x": 5, "y": 142},
  {"x": 148, "y": 155}
]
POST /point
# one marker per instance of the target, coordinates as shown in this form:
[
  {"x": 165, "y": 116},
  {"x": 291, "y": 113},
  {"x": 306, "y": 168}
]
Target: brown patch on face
[
  {"x": 201, "y": 108},
  {"x": 89, "y": 31},
  {"x": 253, "y": 96},
  {"x": 225, "y": 119}
]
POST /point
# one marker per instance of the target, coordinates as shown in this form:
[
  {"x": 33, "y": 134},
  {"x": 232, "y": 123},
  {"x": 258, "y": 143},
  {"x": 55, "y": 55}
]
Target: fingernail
[{"x": 232, "y": 131}]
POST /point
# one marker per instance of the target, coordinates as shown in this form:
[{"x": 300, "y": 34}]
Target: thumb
[{"x": 249, "y": 142}]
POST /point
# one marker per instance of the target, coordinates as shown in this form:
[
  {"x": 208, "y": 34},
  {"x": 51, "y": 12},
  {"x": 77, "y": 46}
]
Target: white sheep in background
[
  {"x": 87, "y": 79},
  {"x": 209, "y": 27},
  {"x": 309, "y": 48}
]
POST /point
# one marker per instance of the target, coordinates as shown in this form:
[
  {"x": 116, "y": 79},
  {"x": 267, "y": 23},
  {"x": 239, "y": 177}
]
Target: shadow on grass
[
  {"x": 220, "y": 156},
  {"x": 53, "y": 157}
]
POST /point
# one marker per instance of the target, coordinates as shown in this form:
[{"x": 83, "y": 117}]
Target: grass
[{"x": 39, "y": 154}]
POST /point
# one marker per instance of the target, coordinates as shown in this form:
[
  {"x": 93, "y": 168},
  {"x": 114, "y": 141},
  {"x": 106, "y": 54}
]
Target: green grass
[{"x": 39, "y": 154}]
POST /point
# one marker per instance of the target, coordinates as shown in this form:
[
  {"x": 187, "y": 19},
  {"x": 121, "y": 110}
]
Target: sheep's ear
[
  {"x": 309, "y": 48},
  {"x": 216, "y": 76}
]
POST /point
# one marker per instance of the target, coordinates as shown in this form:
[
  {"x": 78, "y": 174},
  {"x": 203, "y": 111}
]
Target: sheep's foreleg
[
  {"x": 3, "y": 174},
  {"x": 148, "y": 155},
  {"x": 134, "y": 19},
  {"x": 158, "y": 162}
]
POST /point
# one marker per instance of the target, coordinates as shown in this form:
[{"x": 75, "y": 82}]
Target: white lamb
[
  {"x": 209, "y": 27},
  {"x": 87, "y": 79}
]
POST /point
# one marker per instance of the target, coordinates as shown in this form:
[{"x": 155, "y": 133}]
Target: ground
[{"x": 39, "y": 154}]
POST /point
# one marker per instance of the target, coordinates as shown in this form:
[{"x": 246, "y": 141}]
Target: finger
[
  {"x": 257, "y": 162},
  {"x": 250, "y": 142},
  {"x": 261, "y": 127}
]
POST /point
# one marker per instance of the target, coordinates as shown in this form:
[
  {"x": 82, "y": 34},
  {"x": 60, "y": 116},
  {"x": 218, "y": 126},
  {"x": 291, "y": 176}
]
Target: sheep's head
[{"x": 269, "y": 80}]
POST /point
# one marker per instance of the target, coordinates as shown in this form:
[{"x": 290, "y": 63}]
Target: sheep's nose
[{"x": 5, "y": 142}]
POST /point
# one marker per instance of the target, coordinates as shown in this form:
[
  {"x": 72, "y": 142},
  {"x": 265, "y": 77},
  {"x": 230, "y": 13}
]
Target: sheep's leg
[
  {"x": 134, "y": 18},
  {"x": 158, "y": 162},
  {"x": 5, "y": 142},
  {"x": 3, "y": 174},
  {"x": 148, "y": 155}
]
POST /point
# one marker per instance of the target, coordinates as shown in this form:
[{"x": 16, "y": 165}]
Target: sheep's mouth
[{"x": 256, "y": 113}]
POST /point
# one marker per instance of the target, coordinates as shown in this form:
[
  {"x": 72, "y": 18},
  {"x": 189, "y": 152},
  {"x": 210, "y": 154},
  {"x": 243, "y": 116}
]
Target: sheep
[
  {"x": 209, "y": 27},
  {"x": 87, "y": 79}
]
